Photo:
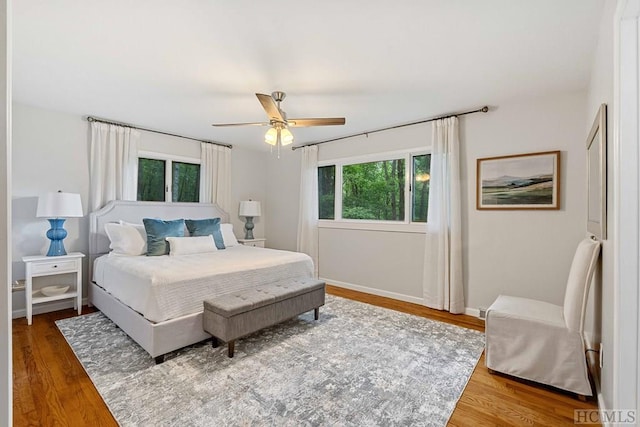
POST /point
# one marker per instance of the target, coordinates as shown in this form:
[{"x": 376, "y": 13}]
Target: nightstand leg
[
  {"x": 28, "y": 294},
  {"x": 79, "y": 291}
]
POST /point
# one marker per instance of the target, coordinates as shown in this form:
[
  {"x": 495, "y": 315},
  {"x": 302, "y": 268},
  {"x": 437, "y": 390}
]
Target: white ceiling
[{"x": 180, "y": 66}]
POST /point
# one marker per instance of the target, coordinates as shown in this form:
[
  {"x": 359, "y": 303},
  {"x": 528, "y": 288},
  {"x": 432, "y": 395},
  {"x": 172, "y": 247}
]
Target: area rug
[{"x": 358, "y": 365}]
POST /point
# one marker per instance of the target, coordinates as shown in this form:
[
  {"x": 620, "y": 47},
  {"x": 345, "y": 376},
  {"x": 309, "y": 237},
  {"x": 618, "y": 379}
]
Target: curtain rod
[
  {"x": 111, "y": 122},
  {"x": 479, "y": 110}
]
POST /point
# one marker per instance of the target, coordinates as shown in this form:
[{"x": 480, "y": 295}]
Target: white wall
[
  {"x": 51, "y": 152},
  {"x": 599, "y": 326},
  {"x": 6, "y": 400},
  {"x": 385, "y": 263},
  {"x": 600, "y": 312},
  {"x": 283, "y": 199},
  {"x": 526, "y": 253},
  {"x": 614, "y": 319},
  {"x": 248, "y": 172}
]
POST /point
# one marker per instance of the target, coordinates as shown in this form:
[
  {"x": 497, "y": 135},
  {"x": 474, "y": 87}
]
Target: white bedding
[{"x": 167, "y": 287}]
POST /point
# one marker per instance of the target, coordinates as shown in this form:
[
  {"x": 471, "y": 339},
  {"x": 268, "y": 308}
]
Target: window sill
[{"x": 372, "y": 226}]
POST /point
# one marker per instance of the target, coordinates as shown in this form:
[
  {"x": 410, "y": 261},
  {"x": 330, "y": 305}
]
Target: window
[
  {"x": 327, "y": 191},
  {"x": 151, "y": 173},
  {"x": 389, "y": 188},
  {"x": 168, "y": 180},
  {"x": 185, "y": 182},
  {"x": 373, "y": 190},
  {"x": 420, "y": 187}
]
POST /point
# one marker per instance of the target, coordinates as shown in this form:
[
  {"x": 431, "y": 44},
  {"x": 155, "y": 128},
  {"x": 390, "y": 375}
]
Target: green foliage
[
  {"x": 421, "y": 180},
  {"x": 185, "y": 182},
  {"x": 373, "y": 190},
  {"x": 358, "y": 212},
  {"x": 151, "y": 180},
  {"x": 327, "y": 191}
]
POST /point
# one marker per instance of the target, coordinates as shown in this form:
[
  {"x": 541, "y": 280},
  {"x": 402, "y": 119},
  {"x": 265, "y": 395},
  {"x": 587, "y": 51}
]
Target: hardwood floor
[{"x": 50, "y": 386}]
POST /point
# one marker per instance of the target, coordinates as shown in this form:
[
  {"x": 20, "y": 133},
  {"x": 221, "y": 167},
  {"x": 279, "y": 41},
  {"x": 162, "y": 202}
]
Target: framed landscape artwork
[{"x": 519, "y": 181}]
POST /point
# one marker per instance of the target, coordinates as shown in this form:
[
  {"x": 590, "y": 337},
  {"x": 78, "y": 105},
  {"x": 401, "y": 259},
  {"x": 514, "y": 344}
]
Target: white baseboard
[
  {"x": 47, "y": 307},
  {"x": 475, "y": 312},
  {"x": 374, "y": 291},
  {"x": 382, "y": 293}
]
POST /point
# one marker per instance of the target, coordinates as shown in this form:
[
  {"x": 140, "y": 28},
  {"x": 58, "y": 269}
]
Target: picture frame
[
  {"x": 519, "y": 182},
  {"x": 597, "y": 175}
]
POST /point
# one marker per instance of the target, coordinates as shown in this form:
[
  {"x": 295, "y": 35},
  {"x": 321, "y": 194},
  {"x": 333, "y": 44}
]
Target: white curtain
[
  {"x": 443, "y": 286},
  {"x": 215, "y": 175},
  {"x": 308, "y": 214},
  {"x": 113, "y": 163}
]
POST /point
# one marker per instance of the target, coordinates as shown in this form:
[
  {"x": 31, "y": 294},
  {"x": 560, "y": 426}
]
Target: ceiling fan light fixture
[
  {"x": 286, "y": 137},
  {"x": 271, "y": 137},
  {"x": 278, "y": 134}
]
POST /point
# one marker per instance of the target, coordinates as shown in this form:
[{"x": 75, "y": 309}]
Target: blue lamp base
[
  {"x": 56, "y": 234},
  {"x": 248, "y": 228}
]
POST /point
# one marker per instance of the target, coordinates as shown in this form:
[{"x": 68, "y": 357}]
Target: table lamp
[
  {"x": 249, "y": 209},
  {"x": 56, "y": 207}
]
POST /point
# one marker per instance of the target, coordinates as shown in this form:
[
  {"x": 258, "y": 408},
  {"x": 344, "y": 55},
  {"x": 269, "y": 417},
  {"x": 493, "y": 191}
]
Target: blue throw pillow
[
  {"x": 157, "y": 232},
  {"x": 206, "y": 227}
]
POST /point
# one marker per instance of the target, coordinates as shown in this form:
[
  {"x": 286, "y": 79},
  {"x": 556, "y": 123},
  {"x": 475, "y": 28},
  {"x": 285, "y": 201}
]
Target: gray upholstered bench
[{"x": 231, "y": 316}]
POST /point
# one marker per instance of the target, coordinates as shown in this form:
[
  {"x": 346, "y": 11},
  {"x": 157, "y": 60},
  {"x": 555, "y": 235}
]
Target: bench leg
[
  {"x": 215, "y": 343},
  {"x": 316, "y": 313},
  {"x": 231, "y": 345}
]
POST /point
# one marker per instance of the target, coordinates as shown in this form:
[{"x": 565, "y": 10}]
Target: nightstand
[
  {"x": 256, "y": 243},
  {"x": 41, "y": 265}
]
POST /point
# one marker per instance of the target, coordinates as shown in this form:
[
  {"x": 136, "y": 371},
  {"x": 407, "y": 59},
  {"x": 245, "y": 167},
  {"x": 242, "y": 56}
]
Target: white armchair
[{"x": 543, "y": 342}]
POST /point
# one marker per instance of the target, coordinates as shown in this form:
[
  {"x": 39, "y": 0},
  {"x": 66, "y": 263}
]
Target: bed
[{"x": 157, "y": 301}]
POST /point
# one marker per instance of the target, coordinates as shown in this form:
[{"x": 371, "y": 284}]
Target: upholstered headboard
[{"x": 134, "y": 212}]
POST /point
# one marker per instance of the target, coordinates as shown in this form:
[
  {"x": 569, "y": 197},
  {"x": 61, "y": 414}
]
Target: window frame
[
  {"x": 405, "y": 225},
  {"x": 168, "y": 169}
]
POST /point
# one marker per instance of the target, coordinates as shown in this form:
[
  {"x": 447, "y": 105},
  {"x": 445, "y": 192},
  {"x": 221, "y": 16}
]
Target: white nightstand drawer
[{"x": 53, "y": 267}]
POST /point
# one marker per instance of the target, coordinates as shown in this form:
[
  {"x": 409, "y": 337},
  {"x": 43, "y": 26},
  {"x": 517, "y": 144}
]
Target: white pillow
[
  {"x": 125, "y": 239},
  {"x": 191, "y": 245},
  {"x": 139, "y": 227},
  {"x": 227, "y": 235}
]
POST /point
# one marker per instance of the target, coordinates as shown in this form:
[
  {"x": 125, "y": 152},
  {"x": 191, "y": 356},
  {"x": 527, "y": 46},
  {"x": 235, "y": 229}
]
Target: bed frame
[{"x": 156, "y": 338}]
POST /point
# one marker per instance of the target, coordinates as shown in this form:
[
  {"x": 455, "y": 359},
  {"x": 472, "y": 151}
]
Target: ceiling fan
[{"x": 279, "y": 134}]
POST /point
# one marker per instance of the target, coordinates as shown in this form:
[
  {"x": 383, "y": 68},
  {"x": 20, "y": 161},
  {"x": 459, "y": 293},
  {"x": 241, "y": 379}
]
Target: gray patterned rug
[{"x": 359, "y": 365}]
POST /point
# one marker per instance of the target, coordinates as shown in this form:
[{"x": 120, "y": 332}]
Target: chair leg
[
  {"x": 231, "y": 345},
  {"x": 491, "y": 371},
  {"x": 215, "y": 343},
  {"x": 316, "y": 313}
]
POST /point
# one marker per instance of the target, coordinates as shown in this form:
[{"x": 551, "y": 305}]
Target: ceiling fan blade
[
  {"x": 241, "y": 124},
  {"x": 327, "y": 121},
  {"x": 270, "y": 107}
]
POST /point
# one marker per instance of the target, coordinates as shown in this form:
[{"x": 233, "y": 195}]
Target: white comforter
[{"x": 167, "y": 287}]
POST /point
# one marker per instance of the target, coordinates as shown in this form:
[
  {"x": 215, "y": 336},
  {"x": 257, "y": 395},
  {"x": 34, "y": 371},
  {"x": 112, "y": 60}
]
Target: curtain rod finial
[{"x": 485, "y": 109}]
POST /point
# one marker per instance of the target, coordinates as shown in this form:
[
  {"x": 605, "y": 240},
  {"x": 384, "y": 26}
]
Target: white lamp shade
[
  {"x": 286, "y": 137},
  {"x": 271, "y": 137},
  {"x": 59, "y": 205},
  {"x": 250, "y": 208}
]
